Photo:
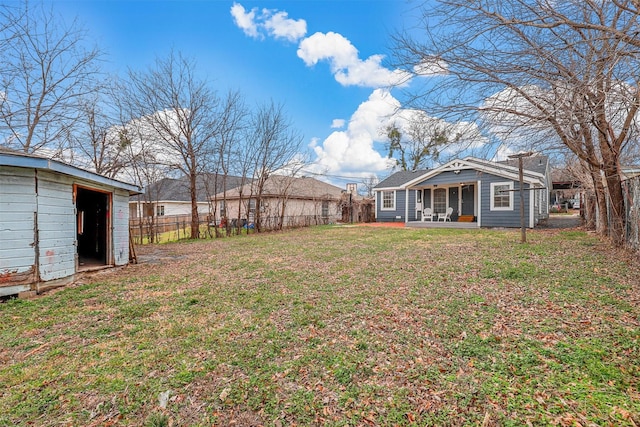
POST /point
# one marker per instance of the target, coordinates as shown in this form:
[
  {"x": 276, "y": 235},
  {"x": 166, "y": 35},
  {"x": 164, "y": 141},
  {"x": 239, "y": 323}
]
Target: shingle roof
[
  {"x": 171, "y": 189},
  {"x": 537, "y": 164},
  {"x": 277, "y": 185},
  {"x": 399, "y": 178}
]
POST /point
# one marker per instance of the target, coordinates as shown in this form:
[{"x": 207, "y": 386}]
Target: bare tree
[
  {"x": 367, "y": 185},
  {"x": 274, "y": 145},
  {"x": 182, "y": 111},
  {"x": 232, "y": 124},
  {"x": 46, "y": 72},
  {"x": 99, "y": 142},
  {"x": 540, "y": 68},
  {"x": 418, "y": 140}
]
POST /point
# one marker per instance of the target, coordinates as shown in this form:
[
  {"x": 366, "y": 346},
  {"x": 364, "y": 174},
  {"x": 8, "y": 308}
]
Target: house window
[
  {"x": 439, "y": 200},
  {"x": 325, "y": 208},
  {"x": 160, "y": 210},
  {"x": 418, "y": 199},
  {"x": 223, "y": 212},
  {"x": 502, "y": 196},
  {"x": 388, "y": 201}
]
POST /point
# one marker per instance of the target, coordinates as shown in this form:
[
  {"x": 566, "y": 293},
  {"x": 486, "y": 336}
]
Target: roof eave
[{"x": 62, "y": 168}]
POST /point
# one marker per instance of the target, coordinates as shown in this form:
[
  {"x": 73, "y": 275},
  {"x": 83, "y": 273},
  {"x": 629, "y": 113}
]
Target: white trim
[
  {"x": 492, "y": 196},
  {"x": 501, "y": 170},
  {"x": 532, "y": 196},
  {"x": 446, "y": 197},
  {"x": 406, "y": 205},
  {"x": 479, "y": 205},
  {"x": 382, "y": 208}
]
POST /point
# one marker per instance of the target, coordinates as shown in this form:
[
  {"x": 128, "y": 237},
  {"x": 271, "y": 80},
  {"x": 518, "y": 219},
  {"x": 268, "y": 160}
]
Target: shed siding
[
  {"x": 17, "y": 212},
  {"x": 57, "y": 226},
  {"x": 120, "y": 227}
]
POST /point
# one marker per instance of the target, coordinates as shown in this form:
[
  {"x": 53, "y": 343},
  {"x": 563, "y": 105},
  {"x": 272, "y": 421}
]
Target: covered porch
[{"x": 461, "y": 198}]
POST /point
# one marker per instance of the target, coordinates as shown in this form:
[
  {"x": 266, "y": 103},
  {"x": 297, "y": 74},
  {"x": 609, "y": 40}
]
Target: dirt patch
[
  {"x": 562, "y": 221},
  {"x": 383, "y": 224}
]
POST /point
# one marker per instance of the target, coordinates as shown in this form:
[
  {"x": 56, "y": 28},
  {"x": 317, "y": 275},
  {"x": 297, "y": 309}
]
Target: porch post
[
  {"x": 406, "y": 205},
  {"x": 479, "y": 207}
]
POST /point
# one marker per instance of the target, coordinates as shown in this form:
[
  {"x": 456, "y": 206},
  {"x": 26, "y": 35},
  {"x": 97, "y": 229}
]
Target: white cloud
[
  {"x": 276, "y": 24},
  {"x": 245, "y": 20},
  {"x": 346, "y": 66},
  {"x": 337, "y": 123},
  {"x": 280, "y": 26},
  {"x": 435, "y": 67},
  {"x": 503, "y": 152},
  {"x": 352, "y": 151}
]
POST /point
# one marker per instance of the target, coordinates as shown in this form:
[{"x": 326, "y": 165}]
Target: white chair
[
  {"x": 446, "y": 216},
  {"x": 427, "y": 213}
]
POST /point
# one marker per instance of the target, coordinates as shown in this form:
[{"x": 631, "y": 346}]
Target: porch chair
[
  {"x": 446, "y": 216},
  {"x": 427, "y": 213}
]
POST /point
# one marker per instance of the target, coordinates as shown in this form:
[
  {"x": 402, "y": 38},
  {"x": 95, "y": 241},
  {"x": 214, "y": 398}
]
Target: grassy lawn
[{"x": 336, "y": 326}]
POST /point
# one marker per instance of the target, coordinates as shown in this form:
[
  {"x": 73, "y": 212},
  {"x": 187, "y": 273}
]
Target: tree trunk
[{"x": 195, "y": 220}]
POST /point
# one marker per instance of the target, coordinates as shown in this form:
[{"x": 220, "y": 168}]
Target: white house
[
  {"x": 283, "y": 198},
  {"x": 56, "y": 221},
  {"x": 171, "y": 196}
]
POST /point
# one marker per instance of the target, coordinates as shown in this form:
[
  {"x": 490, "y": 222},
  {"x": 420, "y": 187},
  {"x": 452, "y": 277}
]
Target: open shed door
[{"x": 92, "y": 209}]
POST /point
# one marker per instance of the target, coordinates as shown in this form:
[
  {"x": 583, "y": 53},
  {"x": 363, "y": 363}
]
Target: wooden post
[{"x": 523, "y": 229}]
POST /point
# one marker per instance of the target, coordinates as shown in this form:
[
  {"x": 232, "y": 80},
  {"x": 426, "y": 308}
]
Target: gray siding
[
  {"x": 509, "y": 218},
  {"x": 57, "y": 226},
  {"x": 449, "y": 177},
  {"x": 17, "y": 213},
  {"x": 414, "y": 215},
  {"x": 390, "y": 216}
]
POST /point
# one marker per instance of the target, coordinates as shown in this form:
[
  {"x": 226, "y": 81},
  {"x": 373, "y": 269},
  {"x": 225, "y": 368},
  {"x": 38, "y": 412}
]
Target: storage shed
[{"x": 57, "y": 220}]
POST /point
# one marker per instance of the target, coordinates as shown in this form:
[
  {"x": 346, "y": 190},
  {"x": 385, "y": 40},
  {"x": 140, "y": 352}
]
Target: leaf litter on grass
[{"x": 336, "y": 326}]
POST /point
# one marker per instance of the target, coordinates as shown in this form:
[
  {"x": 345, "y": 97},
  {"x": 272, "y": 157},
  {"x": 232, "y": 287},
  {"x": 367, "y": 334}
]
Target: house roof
[
  {"x": 536, "y": 172},
  {"x": 279, "y": 185},
  {"x": 399, "y": 178},
  {"x": 177, "y": 189},
  {"x": 536, "y": 164},
  {"x": 14, "y": 158}
]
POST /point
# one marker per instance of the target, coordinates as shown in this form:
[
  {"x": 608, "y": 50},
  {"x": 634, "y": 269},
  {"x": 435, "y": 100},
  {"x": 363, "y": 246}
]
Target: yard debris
[{"x": 163, "y": 399}]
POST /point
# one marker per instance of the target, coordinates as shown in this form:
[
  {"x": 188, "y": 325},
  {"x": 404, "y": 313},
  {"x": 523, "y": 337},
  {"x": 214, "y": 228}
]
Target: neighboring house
[
  {"x": 289, "y": 198},
  {"x": 479, "y": 191},
  {"x": 170, "y": 196},
  {"x": 57, "y": 220}
]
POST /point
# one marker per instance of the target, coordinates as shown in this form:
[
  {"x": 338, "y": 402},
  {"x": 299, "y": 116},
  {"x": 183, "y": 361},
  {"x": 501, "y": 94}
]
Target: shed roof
[{"x": 14, "y": 158}]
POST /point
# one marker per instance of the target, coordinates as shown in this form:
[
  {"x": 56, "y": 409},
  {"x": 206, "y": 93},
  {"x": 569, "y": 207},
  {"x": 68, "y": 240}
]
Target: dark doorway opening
[{"x": 92, "y": 219}]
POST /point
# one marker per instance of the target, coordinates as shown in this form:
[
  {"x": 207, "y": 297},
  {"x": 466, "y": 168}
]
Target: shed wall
[
  {"x": 38, "y": 227},
  {"x": 56, "y": 225},
  {"x": 17, "y": 219},
  {"x": 120, "y": 227}
]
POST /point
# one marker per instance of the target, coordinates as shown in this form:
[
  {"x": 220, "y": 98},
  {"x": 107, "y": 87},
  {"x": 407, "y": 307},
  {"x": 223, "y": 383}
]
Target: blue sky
[{"x": 324, "y": 60}]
